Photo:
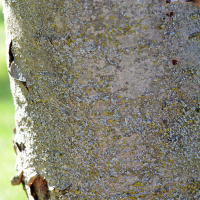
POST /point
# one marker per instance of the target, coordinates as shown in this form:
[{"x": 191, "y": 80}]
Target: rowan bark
[{"x": 106, "y": 96}]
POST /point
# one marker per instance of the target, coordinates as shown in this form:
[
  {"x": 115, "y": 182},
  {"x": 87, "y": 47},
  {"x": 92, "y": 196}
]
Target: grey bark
[{"x": 106, "y": 96}]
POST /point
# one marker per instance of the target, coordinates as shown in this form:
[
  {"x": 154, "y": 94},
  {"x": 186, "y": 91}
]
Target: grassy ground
[{"x": 7, "y": 156}]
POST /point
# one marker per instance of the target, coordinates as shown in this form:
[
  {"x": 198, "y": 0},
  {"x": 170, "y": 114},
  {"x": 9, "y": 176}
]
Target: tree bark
[{"x": 106, "y": 96}]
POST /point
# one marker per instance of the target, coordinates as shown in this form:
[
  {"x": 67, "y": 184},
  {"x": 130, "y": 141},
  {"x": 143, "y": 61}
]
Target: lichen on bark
[{"x": 112, "y": 106}]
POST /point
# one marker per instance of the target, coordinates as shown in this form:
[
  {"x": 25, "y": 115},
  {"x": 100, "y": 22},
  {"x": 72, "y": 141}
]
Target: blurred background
[{"x": 7, "y": 155}]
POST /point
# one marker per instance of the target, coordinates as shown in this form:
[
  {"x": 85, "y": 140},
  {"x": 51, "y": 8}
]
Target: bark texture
[{"x": 107, "y": 98}]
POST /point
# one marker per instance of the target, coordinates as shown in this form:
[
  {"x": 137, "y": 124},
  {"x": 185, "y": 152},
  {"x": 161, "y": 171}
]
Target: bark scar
[
  {"x": 14, "y": 70},
  {"x": 39, "y": 188},
  {"x": 11, "y": 57}
]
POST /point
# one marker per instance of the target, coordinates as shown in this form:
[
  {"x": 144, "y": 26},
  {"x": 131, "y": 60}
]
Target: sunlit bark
[{"x": 106, "y": 96}]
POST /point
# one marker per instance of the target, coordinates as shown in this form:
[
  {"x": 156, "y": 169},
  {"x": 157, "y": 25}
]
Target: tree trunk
[{"x": 106, "y": 96}]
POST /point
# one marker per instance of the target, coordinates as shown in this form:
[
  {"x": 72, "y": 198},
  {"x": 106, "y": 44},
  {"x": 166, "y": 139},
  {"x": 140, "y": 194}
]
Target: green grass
[{"x": 7, "y": 156}]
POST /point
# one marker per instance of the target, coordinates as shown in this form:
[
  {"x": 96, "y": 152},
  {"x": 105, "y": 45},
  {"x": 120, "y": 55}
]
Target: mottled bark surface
[{"x": 106, "y": 96}]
